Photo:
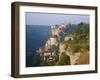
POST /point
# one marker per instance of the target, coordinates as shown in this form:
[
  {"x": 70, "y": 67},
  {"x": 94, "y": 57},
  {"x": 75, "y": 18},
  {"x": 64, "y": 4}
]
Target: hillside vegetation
[{"x": 68, "y": 44}]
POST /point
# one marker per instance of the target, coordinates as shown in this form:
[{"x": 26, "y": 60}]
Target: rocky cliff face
[
  {"x": 80, "y": 57},
  {"x": 64, "y": 48},
  {"x": 53, "y": 46}
]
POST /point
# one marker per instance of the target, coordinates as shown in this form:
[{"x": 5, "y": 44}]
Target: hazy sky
[{"x": 53, "y": 19}]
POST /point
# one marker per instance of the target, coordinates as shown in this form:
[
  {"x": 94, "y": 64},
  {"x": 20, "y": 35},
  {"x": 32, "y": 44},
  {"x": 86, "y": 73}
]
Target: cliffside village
[{"x": 49, "y": 55}]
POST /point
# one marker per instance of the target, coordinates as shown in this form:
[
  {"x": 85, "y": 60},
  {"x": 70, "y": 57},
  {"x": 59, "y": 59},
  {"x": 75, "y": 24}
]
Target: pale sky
[{"x": 53, "y": 19}]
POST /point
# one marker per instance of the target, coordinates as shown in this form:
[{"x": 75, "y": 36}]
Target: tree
[
  {"x": 54, "y": 48},
  {"x": 64, "y": 59}
]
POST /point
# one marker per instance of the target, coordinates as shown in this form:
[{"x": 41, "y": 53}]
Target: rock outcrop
[{"x": 60, "y": 44}]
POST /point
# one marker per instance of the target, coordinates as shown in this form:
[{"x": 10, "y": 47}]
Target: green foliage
[
  {"x": 81, "y": 38},
  {"x": 44, "y": 63},
  {"x": 63, "y": 59},
  {"x": 80, "y": 41},
  {"x": 36, "y": 60},
  {"x": 54, "y": 48}
]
